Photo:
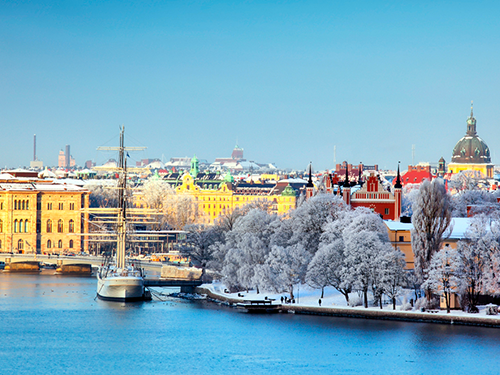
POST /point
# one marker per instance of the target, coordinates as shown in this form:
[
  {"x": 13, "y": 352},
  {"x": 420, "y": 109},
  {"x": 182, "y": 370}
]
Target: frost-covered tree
[
  {"x": 476, "y": 253},
  {"x": 431, "y": 220},
  {"x": 306, "y": 224},
  {"x": 480, "y": 200},
  {"x": 288, "y": 266},
  {"x": 199, "y": 243},
  {"x": 394, "y": 276},
  {"x": 247, "y": 247},
  {"x": 443, "y": 274},
  {"x": 327, "y": 268},
  {"x": 410, "y": 195}
]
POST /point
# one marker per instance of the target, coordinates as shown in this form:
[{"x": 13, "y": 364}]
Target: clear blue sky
[{"x": 288, "y": 79}]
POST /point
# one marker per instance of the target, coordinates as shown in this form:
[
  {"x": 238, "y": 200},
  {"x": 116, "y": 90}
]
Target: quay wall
[{"x": 359, "y": 312}]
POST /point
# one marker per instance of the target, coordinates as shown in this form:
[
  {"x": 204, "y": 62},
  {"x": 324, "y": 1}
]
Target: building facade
[{"x": 39, "y": 216}]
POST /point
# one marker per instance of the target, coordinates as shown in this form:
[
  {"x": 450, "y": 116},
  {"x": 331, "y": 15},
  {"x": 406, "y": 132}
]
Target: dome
[{"x": 471, "y": 148}]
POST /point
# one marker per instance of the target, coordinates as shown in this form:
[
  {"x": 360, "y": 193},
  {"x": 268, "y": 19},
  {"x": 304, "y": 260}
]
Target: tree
[
  {"x": 476, "y": 252},
  {"x": 444, "y": 274},
  {"x": 480, "y": 200},
  {"x": 199, "y": 243},
  {"x": 288, "y": 265},
  {"x": 431, "y": 220},
  {"x": 394, "y": 277}
]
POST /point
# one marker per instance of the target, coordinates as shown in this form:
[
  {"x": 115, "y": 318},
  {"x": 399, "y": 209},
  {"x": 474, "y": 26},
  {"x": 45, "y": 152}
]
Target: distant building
[
  {"x": 471, "y": 153},
  {"x": 65, "y": 160},
  {"x": 354, "y": 170}
]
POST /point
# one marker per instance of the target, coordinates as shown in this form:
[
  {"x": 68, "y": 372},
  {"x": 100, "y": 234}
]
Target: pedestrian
[
  {"x": 281, "y": 299},
  {"x": 319, "y": 301}
]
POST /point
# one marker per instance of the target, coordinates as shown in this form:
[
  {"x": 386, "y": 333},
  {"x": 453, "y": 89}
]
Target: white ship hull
[{"x": 116, "y": 287}]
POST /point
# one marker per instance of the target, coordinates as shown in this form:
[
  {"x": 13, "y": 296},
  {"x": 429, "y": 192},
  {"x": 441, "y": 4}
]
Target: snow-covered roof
[{"x": 460, "y": 225}]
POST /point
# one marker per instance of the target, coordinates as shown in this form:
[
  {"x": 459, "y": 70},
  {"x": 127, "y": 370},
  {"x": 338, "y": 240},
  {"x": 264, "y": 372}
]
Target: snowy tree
[
  {"x": 480, "y": 200},
  {"x": 394, "y": 276},
  {"x": 431, "y": 220},
  {"x": 288, "y": 265},
  {"x": 476, "y": 253},
  {"x": 199, "y": 243},
  {"x": 247, "y": 247},
  {"x": 410, "y": 195},
  {"x": 327, "y": 268},
  {"x": 444, "y": 274},
  {"x": 306, "y": 224}
]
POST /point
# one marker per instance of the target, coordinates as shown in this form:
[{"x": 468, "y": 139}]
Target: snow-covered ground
[{"x": 306, "y": 296}]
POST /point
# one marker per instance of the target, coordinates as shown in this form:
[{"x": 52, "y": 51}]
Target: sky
[{"x": 286, "y": 80}]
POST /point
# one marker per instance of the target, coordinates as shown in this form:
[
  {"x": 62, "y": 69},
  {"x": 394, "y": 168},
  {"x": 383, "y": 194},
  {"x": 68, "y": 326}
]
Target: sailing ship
[{"x": 117, "y": 280}]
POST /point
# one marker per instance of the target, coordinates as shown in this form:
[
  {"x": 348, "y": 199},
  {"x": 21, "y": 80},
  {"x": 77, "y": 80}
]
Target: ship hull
[{"x": 121, "y": 288}]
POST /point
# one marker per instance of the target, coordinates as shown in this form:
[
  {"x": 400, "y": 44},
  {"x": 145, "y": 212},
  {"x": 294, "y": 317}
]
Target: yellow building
[
  {"x": 41, "y": 216},
  {"x": 226, "y": 198},
  {"x": 471, "y": 153}
]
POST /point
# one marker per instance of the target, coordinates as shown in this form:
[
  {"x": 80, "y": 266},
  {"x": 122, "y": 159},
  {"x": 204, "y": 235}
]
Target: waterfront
[{"x": 53, "y": 324}]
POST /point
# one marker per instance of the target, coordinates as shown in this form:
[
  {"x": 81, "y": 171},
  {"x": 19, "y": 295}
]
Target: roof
[{"x": 460, "y": 226}]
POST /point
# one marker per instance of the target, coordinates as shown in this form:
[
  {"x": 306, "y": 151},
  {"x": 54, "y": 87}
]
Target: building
[
  {"x": 417, "y": 174},
  {"x": 354, "y": 170},
  {"x": 471, "y": 153},
  {"x": 41, "y": 216},
  {"x": 370, "y": 193},
  {"x": 65, "y": 160}
]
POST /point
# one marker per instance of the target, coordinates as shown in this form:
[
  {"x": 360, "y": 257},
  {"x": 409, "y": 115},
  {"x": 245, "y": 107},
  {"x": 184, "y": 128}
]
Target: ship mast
[{"x": 121, "y": 238}]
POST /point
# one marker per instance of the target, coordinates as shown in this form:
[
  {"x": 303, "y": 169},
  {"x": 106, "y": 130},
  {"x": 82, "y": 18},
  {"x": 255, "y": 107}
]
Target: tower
[
  {"x": 67, "y": 157},
  {"x": 398, "y": 192},
  {"x": 346, "y": 191},
  {"x": 310, "y": 185},
  {"x": 194, "y": 167}
]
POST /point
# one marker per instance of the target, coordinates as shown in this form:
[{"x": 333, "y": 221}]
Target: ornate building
[
  {"x": 471, "y": 153},
  {"x": 41, "y": 216}
]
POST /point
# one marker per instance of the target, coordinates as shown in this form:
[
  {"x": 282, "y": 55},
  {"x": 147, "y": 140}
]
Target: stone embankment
[{"x": 359, "y": 312}]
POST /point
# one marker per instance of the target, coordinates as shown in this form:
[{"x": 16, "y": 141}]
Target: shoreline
[{"x": 361, "y": 313}]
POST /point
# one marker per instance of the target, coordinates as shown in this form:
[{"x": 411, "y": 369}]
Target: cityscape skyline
[{"x": 289, "y": 81}]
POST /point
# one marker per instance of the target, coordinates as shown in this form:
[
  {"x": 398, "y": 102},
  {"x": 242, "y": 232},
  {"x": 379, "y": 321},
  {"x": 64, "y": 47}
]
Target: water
[{"x": 53, "y": 324}]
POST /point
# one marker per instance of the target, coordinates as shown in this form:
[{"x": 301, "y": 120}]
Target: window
[
  {"x": 15, "y": 205},
  {"x": 49, "y": 206},
  {"x": 0, "y": 244},
  {"x": 15, "y": 226},
  {"x": 27, "y": 205},
  {"x": 386, "y": 211},
  {"x": 70, "y": 244},
  {"x": 1, "y": 206},
  {"x": 49, "y": 226},
  {"x": 61, "y": 206},
  {"x": 60, "y": 226},
  {"x": 71, "y": 226},
  {"x": 1, "y": 226},
  {"x": 20, "y": 245},
  {"x": 24, "y": 205},
  {"x": 71, "y": 206},
  {"x": 401, "y": 238},
  {"x": 49, "y": 244},
  {"x": 59, "y": 244},
  {"x": 26, "y": 226}
]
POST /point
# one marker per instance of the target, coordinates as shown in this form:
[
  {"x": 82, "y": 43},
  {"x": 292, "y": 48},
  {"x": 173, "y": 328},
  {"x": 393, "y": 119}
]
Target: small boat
[{"x": 259, "y": 306}]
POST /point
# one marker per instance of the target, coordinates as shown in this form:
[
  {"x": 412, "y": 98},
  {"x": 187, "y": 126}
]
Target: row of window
[
  {"x": 20, "y": 244},
  {"x": 20, "y": 226},
  {"x": 21, "y": 204},
  {"x": 61, "y": 206},
  {"x": 60, "y": 226}
]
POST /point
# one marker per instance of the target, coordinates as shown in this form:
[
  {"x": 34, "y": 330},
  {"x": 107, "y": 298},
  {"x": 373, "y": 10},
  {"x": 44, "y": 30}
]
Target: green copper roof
[
  {"x": 228, "y": 177},
  {"x": 288, "y": 192}
]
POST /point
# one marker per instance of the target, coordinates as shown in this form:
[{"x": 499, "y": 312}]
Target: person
[
  {"x": 282, "y": 299},
  {"x": 319, "y": 301}
]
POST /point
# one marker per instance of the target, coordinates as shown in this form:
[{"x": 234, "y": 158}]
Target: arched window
[
  {"x": 60, "y": 226},
  {"x": 70, "y": 244},
  {"x": 24, "y": 205},
  {"x": 20, "y": 245},
  {"x": 49, "y": 226},
  {"x": 15, "y": 226},
  {"x": 49, "y": 244},
  {"x": 26, "y": 226},
  {"x": 27, "y": 205},
  {"x": 1, "y": 226},
  {"x": 59, "y": 244},
  {"x": 15, "y": 205},
  {"x": 71, "y": 226}
]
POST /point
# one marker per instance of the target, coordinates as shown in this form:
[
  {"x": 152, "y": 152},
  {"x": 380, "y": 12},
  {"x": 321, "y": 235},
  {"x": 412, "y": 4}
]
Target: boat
[{"x": 117, "y": 280}]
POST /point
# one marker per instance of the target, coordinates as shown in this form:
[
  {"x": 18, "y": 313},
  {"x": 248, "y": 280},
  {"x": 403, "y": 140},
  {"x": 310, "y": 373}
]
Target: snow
[
  {"x": 460, "y": 225},
  {"x": 307, "y": 296}
]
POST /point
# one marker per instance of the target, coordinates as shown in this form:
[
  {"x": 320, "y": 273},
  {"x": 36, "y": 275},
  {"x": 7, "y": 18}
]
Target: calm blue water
[{"x": 53, "y": 324}]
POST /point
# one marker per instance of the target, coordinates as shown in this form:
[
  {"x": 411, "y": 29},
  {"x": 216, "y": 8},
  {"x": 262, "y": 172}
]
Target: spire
[
  {"x": 398, "y": 185},
  {"x": 360, "y": 183},
  {"x": 471, "y": 121},
  {"x": 346, "y": 182},
  {"x": 310, "y": 181}
]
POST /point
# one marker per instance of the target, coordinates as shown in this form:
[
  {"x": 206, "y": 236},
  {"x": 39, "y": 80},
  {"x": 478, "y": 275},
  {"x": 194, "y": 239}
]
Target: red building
[{"x": 417, "y": 175}]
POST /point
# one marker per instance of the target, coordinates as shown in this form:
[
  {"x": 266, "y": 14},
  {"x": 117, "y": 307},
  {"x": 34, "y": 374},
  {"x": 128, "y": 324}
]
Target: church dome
[{"x": 471, "y": 148}]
